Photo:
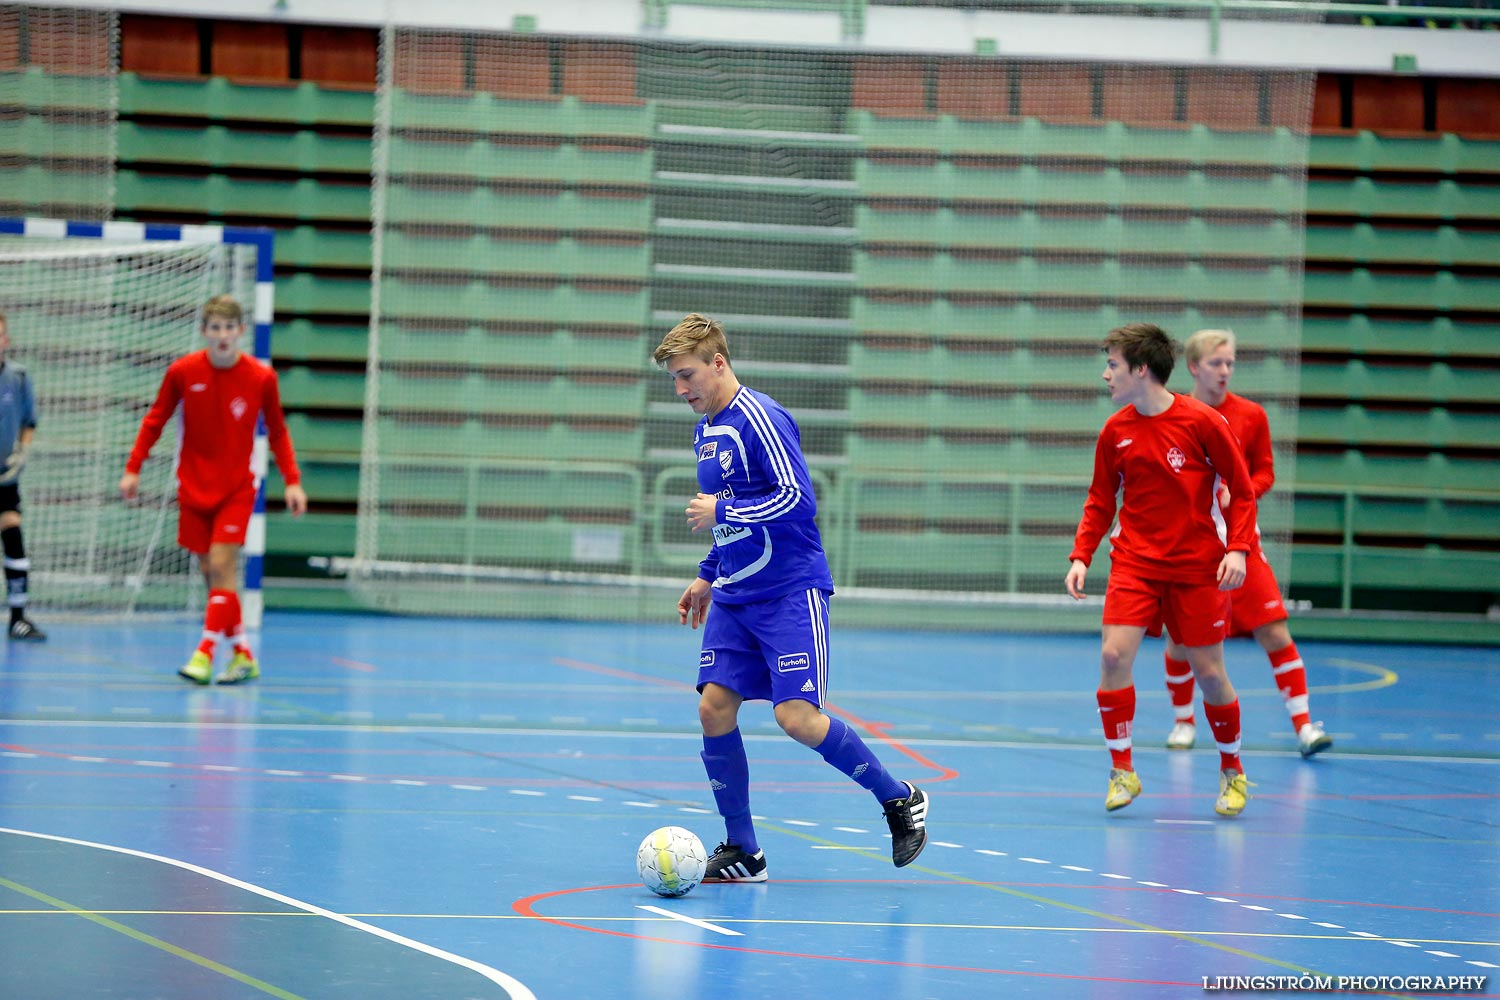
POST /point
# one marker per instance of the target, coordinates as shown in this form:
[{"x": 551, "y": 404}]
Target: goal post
[{"x": 96, "y": 312}]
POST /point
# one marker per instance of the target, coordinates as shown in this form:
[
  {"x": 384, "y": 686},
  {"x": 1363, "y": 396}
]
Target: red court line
[
  {"x": 595, "y": 668},
  {"x": 881, "y": 730},
  {"x": 526, "y": 908}
]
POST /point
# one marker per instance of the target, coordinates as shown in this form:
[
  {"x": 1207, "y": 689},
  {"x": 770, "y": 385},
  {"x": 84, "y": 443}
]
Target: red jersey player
[
  {"x": 1174, "y": 555},
  {"x": 1257, "y": 607},
  {"x": 222, "y": 392}
]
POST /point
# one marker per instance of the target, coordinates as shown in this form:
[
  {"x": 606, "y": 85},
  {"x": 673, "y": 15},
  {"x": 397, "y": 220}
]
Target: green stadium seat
[
  {"x": 218, "y": 195},
  {"x": 489, "y": 161},
  {"x": 482, "y": 301},
  {"x": 308, "y": 294},
  {"x": 586, "y": 352},
  {"x": 1374, "y": 511},
  {"x": 308, "y": 246},
  {"x": 34, "y": 87},
  {"x": 1358, "y": 425},
  {"x": 1025, "y": 231},
  {"x": 1361, "y": 288},
  {"x": 438, "y": 392},
  {"x": 1112, "y": 142},
  {"x": 926, "y": 558},
  {"x": 1435, "y": 472},
  {"x": 32, "y": 134},
  {"x": 544, "y": 542},
  {"x": 305, "y": 151},
  {"x": 325, "y": 437},
  {"x": 476, "y": 205},
  {"x": 326, "y": 481},
  {"x": 1106, "y": 188},
  {"x": 562, "y": 258},
  {"x": 316, "y": 533},
  {"x": 1366, "y": 152},
  {"x": 30, "y": 187},
  {"x": 483, "y": 113},
  {"x": 305, "y": 388},
  {"x": 930, "y": 453},
  {"x": 1031, "y": 276},
  {"x": 220, "y": 99},
  {"x": 1440, "y": 337},
  {"x": 304, "y": 339},
  {"x": 1418, "y": 381},
  {"x": 1363, "y": 197},
  {"x": 1444, "y": 246},
  {"x": 534, "y": 439}
]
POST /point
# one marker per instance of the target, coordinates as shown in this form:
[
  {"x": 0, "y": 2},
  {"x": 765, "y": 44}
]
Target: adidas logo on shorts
[{"x": 807, "y": 686}]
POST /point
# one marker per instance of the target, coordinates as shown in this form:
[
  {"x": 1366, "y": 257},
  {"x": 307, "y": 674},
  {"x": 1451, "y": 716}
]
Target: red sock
[
  {"x": 236, "y": 629},
  {"x": 1291, "y": 680},
  {"x": 1224, "y": 720},
  {"x": 1117, "y": 712},
  {"x": 1180, "y": 687},
  {"x": 218, "y": 617}
]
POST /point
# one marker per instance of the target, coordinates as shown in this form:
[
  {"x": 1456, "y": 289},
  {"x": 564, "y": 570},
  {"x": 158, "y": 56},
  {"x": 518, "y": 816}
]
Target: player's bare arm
[
  {"x": 296, "y": 500},
  {"x": 1231, "y": 570},
  {"x": 1077, "y": 573},
  {"x": 692, "y": 607}
]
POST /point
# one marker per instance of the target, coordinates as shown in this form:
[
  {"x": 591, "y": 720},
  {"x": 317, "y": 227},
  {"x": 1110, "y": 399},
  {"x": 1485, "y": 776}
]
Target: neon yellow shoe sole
[
  {"x": 241, "y": 668},
  {"x": 198, "y": 669},
  {"x": 1124, "y": 786},
  {"x": 1234, "y": 791}
]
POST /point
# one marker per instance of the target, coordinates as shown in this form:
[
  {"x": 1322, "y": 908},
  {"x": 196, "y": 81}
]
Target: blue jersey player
[{"x": 767, "y": 638}]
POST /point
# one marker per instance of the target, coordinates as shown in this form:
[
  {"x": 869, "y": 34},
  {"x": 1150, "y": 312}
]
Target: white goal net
[{"x": 95, "y": 322}]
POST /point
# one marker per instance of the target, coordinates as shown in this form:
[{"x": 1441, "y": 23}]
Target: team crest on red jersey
[
  {"x": 1175, "y": 458},
  {"x": 238, "y": 406}
]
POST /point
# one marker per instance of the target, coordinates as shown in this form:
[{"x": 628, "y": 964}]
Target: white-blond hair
[{"x": 1205, "y": 342}]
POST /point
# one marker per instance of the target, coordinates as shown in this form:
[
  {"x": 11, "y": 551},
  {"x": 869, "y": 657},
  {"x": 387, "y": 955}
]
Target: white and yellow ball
[{"x": 671, "y": 861}]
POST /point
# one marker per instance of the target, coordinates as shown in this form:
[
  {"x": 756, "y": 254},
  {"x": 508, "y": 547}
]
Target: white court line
[
  {"x": 514, "y": 987},
  {"x": 689, "y": 920}
]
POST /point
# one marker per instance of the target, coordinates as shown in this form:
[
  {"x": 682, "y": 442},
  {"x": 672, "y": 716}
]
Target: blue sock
[
  {"x": 843, "y": 748},
  {"x": 729, "y": 777}
]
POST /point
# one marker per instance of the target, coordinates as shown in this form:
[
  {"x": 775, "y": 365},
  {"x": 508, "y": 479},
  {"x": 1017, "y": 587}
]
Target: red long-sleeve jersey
[
  {"x": 1165, "y": 469},
  {"x": 1250, "y": 425},
  {"x": 219, "y": 408}
]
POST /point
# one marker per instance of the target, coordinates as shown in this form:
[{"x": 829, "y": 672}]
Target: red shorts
[
  {"x": 198, "y": 528},
  {"x": 1257, "y": 601},
  {"x": 1195, "y": 614}
]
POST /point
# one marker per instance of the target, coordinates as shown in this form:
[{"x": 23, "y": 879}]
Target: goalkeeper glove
[{"x": 14, "y": 464}]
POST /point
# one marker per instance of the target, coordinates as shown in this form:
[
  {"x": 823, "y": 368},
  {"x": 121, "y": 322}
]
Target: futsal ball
[{"x": 671, "y": 861}]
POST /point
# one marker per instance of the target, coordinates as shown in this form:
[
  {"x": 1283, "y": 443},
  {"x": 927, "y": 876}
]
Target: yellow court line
[
  {"x": 147, "y": 939},
  {"x": 1384, "y": 677},
  {"x": 775, "y": 922}
]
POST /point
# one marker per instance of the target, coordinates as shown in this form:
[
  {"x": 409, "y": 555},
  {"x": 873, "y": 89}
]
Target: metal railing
[{"x": 1483, "y": 14}]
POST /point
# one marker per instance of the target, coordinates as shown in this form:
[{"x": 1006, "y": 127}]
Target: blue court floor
[{"x": 409, "y": 808}]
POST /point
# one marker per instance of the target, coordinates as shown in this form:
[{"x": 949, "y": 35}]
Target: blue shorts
[{"x": 772, "y": 650}]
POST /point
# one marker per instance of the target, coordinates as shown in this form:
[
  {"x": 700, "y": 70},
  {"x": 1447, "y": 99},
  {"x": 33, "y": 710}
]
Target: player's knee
[
  {"x": 801, "y": 720},
  {"x": 1115, "y": 659},
  {"x": 715, "y": 715}
]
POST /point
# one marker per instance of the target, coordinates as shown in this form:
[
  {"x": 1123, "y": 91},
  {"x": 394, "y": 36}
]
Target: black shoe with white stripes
[
  {"x": 731, "y": 863},
  {"x": 907, "y": 819},
  {"x": 23, "y": 629}
]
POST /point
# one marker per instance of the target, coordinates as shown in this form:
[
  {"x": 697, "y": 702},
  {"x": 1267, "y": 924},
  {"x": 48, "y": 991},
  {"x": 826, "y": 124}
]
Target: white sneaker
[
  {"x": 1182, "y": 736},
  {"x": 1312, "y": 740}
]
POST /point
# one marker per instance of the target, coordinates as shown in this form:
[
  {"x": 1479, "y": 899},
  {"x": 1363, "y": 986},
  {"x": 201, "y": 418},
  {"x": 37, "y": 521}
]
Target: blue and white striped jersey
[{"x": 766, "y": 543}]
